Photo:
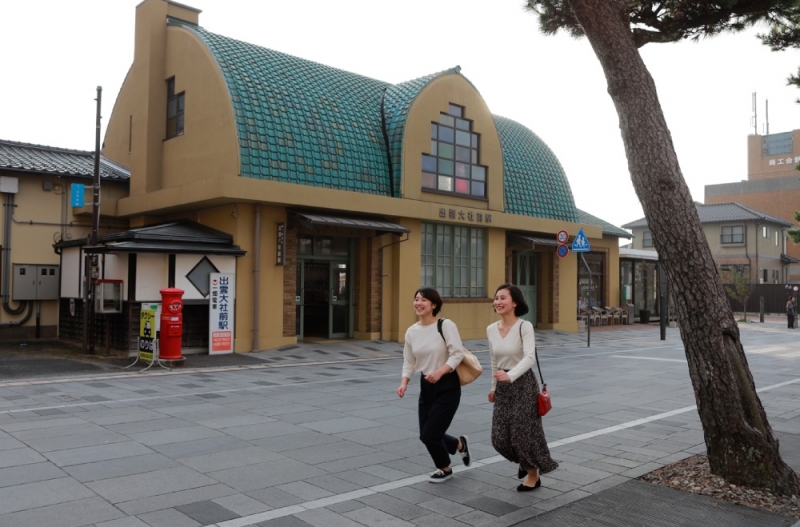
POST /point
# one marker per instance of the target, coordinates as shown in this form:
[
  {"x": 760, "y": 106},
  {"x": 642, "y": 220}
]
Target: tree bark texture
[{"x": 740, "y": 443}]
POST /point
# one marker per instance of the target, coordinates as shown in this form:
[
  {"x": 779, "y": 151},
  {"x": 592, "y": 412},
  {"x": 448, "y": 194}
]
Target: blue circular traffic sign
[{"x": 562, "y": 250}]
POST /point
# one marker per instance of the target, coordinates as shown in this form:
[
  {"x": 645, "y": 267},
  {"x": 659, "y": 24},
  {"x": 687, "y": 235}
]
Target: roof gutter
[{"x": 386, "y": 143}]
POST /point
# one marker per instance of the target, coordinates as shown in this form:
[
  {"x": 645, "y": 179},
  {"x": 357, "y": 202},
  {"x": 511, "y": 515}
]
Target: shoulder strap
[
  {"x": 439, "y": 327},
  {"x": 535, "y": 352}
]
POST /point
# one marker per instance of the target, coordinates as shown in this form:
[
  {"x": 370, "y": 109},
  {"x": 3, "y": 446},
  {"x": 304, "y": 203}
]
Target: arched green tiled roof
[
  {"x": 535, "y": 183},
  {"x": 397, "y": 103},
  {"x": 300, "y": 121},
  {"x": 306, "y": 123}
]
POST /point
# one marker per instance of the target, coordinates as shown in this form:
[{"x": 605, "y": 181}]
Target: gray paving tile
[
  {"x": 174, "y": 499},
  {"x": 76, "y": 456},
  {"x": 168, "y": 518},
  {"x": 269, "y": 474},
  {"x": 41, "y": 494},
  {"x": 275, "y": 498},
  {"x": 19, "y": 456},
  {"x": 207, "y": 512},
  {"x": 241, "y": 504},
  {"x": 155, "y": 483},
  {"x": 326, "y": 518},
  {"x": 70, "y": 514},
  {"x": 30, "y": 473},
  {"x": 230, "y": 459},
  {"x": 114, "y": 468},
  {"x": 371, "y": 516}
]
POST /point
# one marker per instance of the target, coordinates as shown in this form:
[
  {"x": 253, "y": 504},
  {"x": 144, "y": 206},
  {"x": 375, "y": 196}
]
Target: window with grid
[
  {"x": 454, "y": 260},
  {"x": 647, "y": 239},
  {"x": 452, "y": 165},
  {"x": 175, "y": 106},
  {"x": 732, "y": 234}
]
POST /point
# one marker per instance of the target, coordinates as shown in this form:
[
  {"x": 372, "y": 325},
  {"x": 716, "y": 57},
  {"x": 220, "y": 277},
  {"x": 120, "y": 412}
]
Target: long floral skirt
[{"x": 517, "y": 432}]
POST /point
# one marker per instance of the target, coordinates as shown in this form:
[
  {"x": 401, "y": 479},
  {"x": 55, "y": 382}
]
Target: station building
[{"x": 341, "y": 193}]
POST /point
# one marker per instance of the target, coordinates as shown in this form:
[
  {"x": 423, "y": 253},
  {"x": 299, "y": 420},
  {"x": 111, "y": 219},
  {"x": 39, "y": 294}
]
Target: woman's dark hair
[
  {"x": 432, "y": 295},
  {"x": 516, "y": 296}
]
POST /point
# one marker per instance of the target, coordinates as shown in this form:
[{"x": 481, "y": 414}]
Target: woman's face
[
  {"x": 503, "y": 304},
  {"x": 422, "y": 306}
]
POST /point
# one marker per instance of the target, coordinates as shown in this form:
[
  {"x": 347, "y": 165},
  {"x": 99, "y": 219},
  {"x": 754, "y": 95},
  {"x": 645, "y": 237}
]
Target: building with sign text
[{"x": 346, "y": 193}]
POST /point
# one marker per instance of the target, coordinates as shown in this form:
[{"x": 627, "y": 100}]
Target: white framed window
[
  {"x": 732, "y": 234},
  {"x": 647, "y": 239},
  {"x": 454, "y": 260}
]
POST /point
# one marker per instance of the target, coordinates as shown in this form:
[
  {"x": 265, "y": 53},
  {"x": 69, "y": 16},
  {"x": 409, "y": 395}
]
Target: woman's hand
[
  {"x": 502, "y": 376},
  {"x": 435, "y": 375},
  {"x": 401, "y": 391},
  {"x": 491, "y": 396}
]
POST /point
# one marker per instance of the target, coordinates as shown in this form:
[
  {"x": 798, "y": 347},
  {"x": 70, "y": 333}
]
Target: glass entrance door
[
  {"x": 340, "y": 300},
  {"x": 315, "y": 298},
  {"x": 525, "y": 267}
]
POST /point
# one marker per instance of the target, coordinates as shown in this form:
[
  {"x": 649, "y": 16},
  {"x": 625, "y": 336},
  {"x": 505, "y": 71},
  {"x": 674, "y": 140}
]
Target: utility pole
[{"x": 91, "y": 271}]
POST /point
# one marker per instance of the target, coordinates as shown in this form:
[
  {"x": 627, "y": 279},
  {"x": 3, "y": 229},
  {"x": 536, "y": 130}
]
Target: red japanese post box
[{"x": 171, "y": 324}]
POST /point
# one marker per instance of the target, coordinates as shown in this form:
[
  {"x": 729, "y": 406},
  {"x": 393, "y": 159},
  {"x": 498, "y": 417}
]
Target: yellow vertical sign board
[{"x": 148, "y": 331}]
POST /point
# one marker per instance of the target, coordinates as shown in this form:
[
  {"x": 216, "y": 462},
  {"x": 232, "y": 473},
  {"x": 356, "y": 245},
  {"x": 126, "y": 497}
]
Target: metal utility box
[
  {"x": 35, "y": 282},
  {"x": 108, "y": 296}
]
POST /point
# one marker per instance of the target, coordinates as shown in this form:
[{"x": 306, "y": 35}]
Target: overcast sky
[{"x": 53, "y": 54}]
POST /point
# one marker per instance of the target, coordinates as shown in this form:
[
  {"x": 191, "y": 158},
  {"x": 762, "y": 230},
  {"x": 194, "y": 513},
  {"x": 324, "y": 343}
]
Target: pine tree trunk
[{"x": 740, "y": 443}]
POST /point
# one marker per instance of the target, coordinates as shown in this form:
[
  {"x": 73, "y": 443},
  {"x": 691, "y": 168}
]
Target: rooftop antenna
[
  {"x": 767, "y": 112},
  {"x": 754, "y": 117}
]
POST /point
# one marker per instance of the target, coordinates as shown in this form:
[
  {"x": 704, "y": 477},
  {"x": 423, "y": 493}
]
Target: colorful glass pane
[{"x": 462, "y": 186}]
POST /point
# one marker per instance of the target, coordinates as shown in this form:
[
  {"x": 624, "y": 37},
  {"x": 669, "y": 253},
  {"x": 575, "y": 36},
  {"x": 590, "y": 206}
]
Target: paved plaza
[{"x": 314, "y": 434}]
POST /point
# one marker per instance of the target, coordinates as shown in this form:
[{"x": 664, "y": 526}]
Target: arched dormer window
[{"x": 452, "y": 166}]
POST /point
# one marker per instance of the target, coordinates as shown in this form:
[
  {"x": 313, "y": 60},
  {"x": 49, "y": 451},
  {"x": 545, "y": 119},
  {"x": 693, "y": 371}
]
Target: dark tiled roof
[
  {"x": 535, "y": 183},
  {"x": 721, "y": 213},
  {"x": 611, "y": 230},
  {"x": 176, "y": 237},
  {"x": 27, "y": 157}
]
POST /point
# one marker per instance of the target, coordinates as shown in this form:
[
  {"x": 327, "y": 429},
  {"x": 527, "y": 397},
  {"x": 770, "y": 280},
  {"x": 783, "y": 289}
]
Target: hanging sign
[
  {"x": 220, "y": 313},
  {"x": 77, "y": 193}
]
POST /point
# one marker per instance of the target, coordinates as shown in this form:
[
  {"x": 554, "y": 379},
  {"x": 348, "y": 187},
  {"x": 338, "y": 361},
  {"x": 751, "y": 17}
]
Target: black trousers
[
  {"x": 791, "y": 320},
  {"x": 437, "y": 407}
]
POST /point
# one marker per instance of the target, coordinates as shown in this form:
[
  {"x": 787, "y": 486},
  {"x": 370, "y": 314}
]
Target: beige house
[
  {"x": 341, "y": 194},
  {"x": 36, "y": 183},
  {"x": 741, "y": 238},
  {"x": 772, "y": 186}
]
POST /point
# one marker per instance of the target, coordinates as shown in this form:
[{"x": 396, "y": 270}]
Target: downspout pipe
[
  {"x": 256, "y": 276},
  {"x": 9, "y": 214},
  {"x": 386, "y": 275}
]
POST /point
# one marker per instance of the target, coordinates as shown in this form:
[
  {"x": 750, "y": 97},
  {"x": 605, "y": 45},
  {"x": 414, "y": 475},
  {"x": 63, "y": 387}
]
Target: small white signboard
[{"x": 220, "y": 313}]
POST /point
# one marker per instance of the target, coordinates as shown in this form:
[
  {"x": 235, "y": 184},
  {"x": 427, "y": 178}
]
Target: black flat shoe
[
  {"x": 521, "y": 474},
  {"x": 525, "y": 488}
]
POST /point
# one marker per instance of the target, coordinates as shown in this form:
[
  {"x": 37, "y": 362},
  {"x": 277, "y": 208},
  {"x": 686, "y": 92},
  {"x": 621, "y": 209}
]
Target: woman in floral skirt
[{"x": 517, "y": 432}]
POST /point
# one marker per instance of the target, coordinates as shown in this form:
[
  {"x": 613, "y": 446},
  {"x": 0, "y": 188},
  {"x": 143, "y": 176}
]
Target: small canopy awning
[
  {"x": 312, "y": 219},
  {"x": 513, "y": 238},
  {"x": 785, "y": 258},
  {"x": 178, "y": 237}
]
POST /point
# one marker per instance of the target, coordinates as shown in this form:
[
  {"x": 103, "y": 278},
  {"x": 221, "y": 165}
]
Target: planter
[{"x": 644, "y": 316}]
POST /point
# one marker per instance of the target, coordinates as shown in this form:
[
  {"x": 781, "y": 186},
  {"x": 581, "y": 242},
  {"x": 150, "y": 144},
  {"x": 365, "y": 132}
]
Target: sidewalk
[{"x": 313, "y": 434}]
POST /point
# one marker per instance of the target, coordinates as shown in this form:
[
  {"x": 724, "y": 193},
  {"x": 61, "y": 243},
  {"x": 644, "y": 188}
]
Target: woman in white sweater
[
  {"x": 517, "y": 432},
  {"x": 433, "y": 347}
]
